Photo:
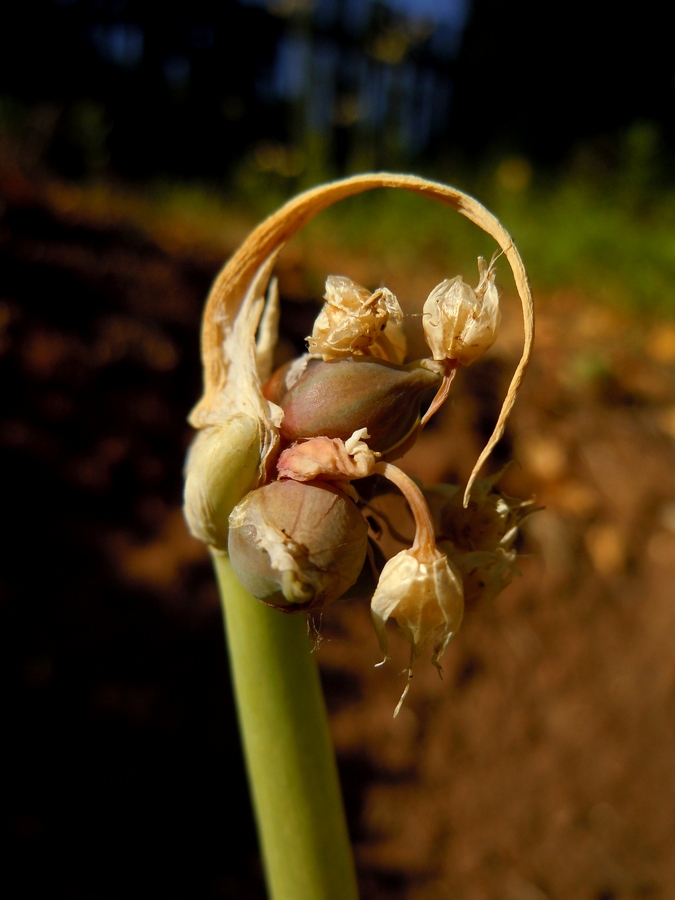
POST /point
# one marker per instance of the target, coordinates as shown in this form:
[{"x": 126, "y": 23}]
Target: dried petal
[
  {"x": 328, "y": 458},
  {"x": 460, "y": 323},
  {"x": 353, "y": 321},
  {"x": 425, "y": 598}
]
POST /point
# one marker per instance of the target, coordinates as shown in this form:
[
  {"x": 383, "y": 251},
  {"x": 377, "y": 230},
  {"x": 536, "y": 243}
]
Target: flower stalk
[
  {"x": 424, "y": 543},
  {"x": 289, "y": 756}
]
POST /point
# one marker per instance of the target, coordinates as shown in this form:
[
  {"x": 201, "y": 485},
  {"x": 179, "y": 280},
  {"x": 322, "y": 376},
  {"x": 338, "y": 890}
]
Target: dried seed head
[
  {"x": 353, "y": 321},
  {"x": 335, "y": 399},
  {"x": 460, "y": 323},
  {"x": 297, "y": 546}
]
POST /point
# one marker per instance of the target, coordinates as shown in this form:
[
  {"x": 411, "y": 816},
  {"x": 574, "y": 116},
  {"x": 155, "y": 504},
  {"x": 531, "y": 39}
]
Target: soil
[{"x": 542, "y": 765}]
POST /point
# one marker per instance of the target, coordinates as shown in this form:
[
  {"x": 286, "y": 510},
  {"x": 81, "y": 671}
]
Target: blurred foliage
[
  {"x": 602, "y": 225},
  {"x": 605, "y": 229}
]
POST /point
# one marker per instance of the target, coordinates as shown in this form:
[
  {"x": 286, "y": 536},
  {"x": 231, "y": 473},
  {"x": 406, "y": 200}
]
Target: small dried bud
[
  {"x": 328, "y": 459},
  {"x": 297, "y": 546},
  {"x": 479, "y": 538},
  {"x": 425, "y": 598},
  {"x": 460, "y": 323},
  {"x": 221, "y": 467},
  {"x": 354, "y": 321},
  {"x": 418, "y": 587},
  {"x": 490, "y": 519},
  {"x": 335, "y": 399}
]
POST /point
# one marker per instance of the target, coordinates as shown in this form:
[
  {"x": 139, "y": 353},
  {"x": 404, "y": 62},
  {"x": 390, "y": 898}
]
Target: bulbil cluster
[{"x": 274, "y": 477}]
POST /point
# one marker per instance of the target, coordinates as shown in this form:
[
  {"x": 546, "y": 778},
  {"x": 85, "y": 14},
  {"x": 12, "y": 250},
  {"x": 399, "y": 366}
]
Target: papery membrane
[
  {"x": 461, "y": 323},
  {"x": 328, "y": 458},
  {"x": 425, "y": 598},
  {"x": 354, "y": 321}
]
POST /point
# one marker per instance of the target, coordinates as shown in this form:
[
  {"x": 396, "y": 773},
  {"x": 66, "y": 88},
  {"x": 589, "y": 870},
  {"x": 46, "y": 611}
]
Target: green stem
[{"x": 289, "y": 754}]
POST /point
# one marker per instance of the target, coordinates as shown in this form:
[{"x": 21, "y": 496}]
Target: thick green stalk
[{"x": 289, "y": 755}]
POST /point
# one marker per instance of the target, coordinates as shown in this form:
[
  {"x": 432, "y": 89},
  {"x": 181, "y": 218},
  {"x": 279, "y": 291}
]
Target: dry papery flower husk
[{"x": 234, "y": 308}]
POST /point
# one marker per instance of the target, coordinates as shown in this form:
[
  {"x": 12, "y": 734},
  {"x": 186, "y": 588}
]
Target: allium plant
[{"x": 275, "y": 487}]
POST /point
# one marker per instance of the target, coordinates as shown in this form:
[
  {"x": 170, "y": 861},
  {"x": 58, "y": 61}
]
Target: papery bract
[
  {"x": 425, "y": 598},
  {"x": 239, "y": 432},
  {"x": 328, "y": 458}
]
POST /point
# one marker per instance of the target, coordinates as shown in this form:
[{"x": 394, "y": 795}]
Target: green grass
[
  {"x": 607, "y": 235},
  {"x": 573, "y": 235}
]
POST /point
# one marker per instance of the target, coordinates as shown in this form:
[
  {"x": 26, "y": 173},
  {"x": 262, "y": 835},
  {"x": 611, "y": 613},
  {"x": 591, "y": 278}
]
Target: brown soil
[{"x": 542, "y": 765}]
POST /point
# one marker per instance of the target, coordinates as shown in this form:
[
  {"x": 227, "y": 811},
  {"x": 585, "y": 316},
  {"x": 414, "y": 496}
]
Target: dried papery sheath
[
  {"x": 461, "y": 323},
  {"x": 297, "y": 546},
  {"x": 240, "y": 428},
  {"x": 328, "y": 459},
  {"x": 354, "y": 321},
  {"x": 425, "y": 598},
  {"x": 222, "y": 466}
]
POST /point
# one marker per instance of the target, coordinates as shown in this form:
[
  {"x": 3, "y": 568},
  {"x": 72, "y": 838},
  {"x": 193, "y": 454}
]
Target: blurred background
[{"x": 137, "y": 149}]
